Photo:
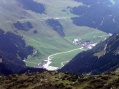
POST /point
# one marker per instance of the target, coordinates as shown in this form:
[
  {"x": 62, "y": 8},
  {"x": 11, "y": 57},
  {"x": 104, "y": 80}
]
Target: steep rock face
[
  {"x": 104, "y": 57},
  {"x": 99, "y": 14}
]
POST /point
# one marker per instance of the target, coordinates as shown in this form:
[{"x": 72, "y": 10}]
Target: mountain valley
[
  {"x": 48, "y": 34},
  {"x": 59, "y": 44},
  {"x": 47, "y": 28}
]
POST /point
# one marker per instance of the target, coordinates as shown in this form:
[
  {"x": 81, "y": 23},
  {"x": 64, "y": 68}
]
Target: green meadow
[
  {"x": 48, "y": 46},
  {"x": 47, "y": 41}
]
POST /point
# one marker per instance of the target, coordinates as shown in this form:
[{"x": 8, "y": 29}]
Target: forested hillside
[{"x": 102, "y": 58}]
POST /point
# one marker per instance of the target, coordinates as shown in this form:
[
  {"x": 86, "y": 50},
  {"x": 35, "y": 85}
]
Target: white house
[{"x": 76, "y": 41}]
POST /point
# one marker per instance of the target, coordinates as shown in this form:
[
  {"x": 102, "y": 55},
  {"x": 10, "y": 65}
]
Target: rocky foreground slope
[{"x": 55, "y": 80}]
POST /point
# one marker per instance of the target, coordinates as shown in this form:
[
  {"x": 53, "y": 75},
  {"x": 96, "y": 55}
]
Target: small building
[{"x": 76, "y": 41}]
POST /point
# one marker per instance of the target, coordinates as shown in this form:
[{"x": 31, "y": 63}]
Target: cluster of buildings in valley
[
  {"x": 85, "y": 44},
  {"x": 88, "y": 43}
]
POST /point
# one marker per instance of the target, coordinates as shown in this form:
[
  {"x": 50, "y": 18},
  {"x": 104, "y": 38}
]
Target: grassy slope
[
  {"x": 47, "y": 41},
  {"x": 49, "y": 46},
  {"x": 58, "y": 59}
]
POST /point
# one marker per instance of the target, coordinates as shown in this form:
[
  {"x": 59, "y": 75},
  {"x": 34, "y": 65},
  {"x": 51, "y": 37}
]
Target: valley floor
[
  {"x": 56, "y": 52},
  {"x": 50, "y": 59}
]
